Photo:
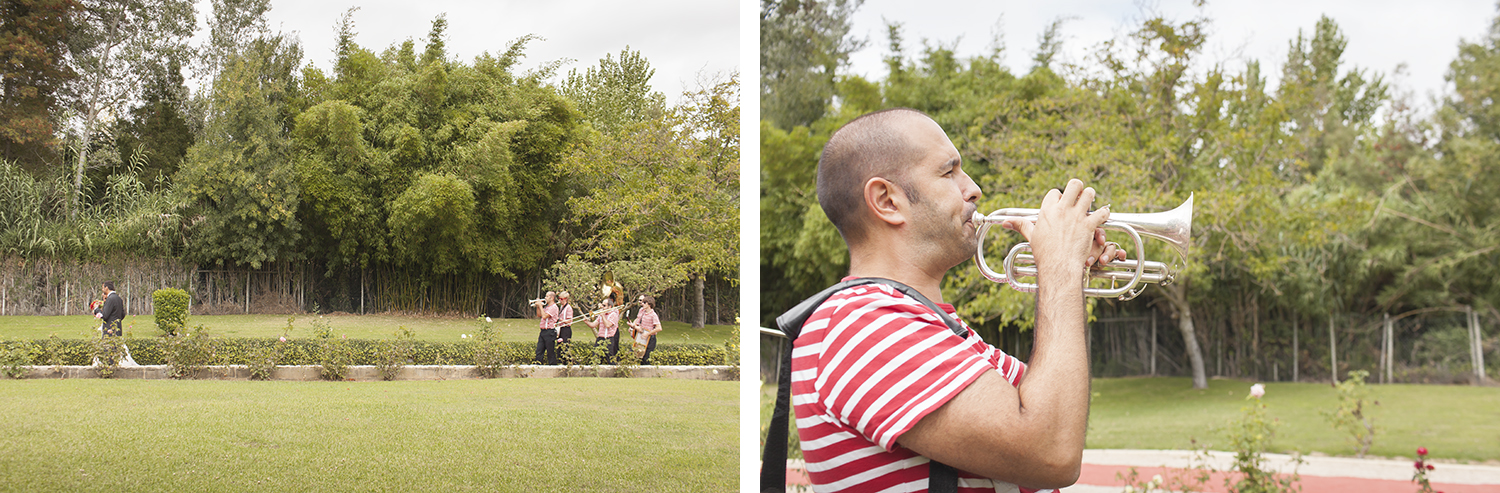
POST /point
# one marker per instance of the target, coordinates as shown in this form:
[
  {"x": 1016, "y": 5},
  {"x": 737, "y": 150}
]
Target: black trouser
[
  {"x": 614, "y": 345},
  {"x": 646, "y": 358},
  {"x": 546, "y": 343}
]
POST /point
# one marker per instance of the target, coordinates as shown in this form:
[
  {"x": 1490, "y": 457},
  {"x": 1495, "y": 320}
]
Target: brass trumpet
[{"x": 1173, "y": 227}]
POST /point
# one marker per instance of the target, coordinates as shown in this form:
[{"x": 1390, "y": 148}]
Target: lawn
[
  {"x": 427, "y": 328},
  {"x": 471, "y": 435},
  {"x": 1453, "y": 422}
]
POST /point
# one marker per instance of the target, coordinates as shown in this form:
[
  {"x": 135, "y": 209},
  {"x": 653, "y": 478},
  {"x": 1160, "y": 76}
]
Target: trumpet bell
[{"x": 1173, "y": 227}]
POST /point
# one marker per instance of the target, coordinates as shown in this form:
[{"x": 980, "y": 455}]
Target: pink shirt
[
  {"x": 567, "y": 314},
  {"x": 646, "y": 320},
  {"x": 549, "y": 317},
  {"x": 869, "y": 364},
  {"x": 609, "y": 323}
]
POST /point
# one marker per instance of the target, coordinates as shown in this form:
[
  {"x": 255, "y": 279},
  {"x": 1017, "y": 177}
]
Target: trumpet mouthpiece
[{"x": 977, "y": 218}]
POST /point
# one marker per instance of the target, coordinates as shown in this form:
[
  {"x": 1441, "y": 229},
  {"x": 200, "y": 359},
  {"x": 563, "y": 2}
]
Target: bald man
[{"x": 881, "y": 387}]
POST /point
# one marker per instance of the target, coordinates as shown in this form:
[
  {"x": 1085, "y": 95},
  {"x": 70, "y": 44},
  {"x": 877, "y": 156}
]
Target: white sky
[
  {"x": 1381, "y": 33},
  {"x": 681, "y": 38}
]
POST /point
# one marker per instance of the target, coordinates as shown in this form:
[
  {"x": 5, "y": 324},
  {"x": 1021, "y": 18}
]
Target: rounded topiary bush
[{"x": 171, "y": 306}]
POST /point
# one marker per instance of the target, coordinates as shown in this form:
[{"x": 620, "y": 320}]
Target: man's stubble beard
[{"x": 952, "y": 240}]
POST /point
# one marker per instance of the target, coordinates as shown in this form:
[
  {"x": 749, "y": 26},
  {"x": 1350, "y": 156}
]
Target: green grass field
[
  {"x": 427, "y": 328},
  {"x": 474, "y": 435},
  {"x": 1453, "y": 422}
]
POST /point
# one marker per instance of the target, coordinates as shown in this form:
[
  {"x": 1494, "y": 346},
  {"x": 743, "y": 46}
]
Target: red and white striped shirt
[{"x": 868, "y": 364}]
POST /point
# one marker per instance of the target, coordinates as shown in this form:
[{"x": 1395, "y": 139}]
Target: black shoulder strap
[{"x": 944, "y": 479}]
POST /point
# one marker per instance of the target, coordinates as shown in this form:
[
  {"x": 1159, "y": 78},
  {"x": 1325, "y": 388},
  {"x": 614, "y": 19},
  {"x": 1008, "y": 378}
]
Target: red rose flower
[{"x": 1421, "y": 450}]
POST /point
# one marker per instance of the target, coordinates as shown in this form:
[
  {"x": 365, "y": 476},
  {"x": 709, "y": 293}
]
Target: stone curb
[{"x": 367, "y": 373}]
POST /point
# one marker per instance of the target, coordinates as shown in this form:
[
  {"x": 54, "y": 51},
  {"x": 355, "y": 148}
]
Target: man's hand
[
  {"x": 1104, "y": 251},
  {"x": 1065, "y": 231}
]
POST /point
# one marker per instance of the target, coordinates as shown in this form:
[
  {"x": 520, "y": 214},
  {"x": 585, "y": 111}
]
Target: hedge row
[{"x": 238, "y": 351}]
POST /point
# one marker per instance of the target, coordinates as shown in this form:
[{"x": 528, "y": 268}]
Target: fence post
[
  {"x": 1390, "y": 349},
  {"x": 1153, "y": 343},
  {"x": 1476, "y": 344},
  {"x": 1333, "y": 351}
]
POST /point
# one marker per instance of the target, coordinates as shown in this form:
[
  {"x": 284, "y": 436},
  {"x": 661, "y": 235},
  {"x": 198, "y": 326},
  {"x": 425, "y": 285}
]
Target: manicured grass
[
  {"x": 427, "y": 328},
  {"x": 473, "y": 435},
  {"x": 1453, "y": 422}
]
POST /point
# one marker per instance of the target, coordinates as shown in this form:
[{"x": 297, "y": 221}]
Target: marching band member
[
  {"x": 607, "y": 328},
  {"x": 546, "y": 343},
  {"x": 646, "y": 324}
]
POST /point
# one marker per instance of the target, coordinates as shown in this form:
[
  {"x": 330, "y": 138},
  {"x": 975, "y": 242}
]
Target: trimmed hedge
[
  {"x": 171, "y": 307},
  {"x": 240, "y": 350}
]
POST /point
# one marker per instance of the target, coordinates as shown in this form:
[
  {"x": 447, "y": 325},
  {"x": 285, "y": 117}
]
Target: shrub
[
  {"x": 334, "y": 355},
  {"x": 106, "y": 353},
  {"x": 264, "y": 358},
  {"x": 1350, "y": 416},
  {"x": 188, "y": 353},
  {"x": 489, "y": 352},
  {"x": 171, "y": 306},
  {"x": 1250, "y": 436},
  {"x": 12, "y": 358},
  {"x": 394, "y": 354}
]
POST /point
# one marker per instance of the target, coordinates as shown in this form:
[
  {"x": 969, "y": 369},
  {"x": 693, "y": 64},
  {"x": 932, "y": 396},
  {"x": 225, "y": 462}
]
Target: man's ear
[{"x": 885, "y": 201}]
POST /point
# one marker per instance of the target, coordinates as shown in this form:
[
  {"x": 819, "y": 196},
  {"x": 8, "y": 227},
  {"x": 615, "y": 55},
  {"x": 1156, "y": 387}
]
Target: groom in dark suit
[{"x": 112, "y": 311}]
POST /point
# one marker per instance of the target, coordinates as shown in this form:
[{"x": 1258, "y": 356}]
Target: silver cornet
[{"x": 1173, "y": 227}]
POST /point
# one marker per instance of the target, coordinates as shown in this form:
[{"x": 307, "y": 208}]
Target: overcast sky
[
  {"x": 681, "y": 38},
  {"x": 1381, "y": 33}
]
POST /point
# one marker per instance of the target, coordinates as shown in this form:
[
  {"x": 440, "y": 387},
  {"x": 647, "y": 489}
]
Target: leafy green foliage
[
  {"x": 243, "y": 193},
  {"x": 1250, "y": 438},
  {"x": 365, "y": 352},
  {"x": 394, "y": 354},
  {"x": 106, "y": 353},
  {"x": 34, "y": 39},
  {"x": 802, "y": 45},
  {"x": 171, "y": 310},
  {"x": 12, "y": 359},
  {"x": 1350, "y": 416},
  {"x": 333, "y": 353},
  {"x": 665, "y": 191},
  {"x": 617, "y": 93},
  {"x": 189, "y": 353}
]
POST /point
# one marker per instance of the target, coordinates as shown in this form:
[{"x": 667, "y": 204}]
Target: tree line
[
  {"x": 1328, "y": 199},
  {"x": 404, "y": 159}
]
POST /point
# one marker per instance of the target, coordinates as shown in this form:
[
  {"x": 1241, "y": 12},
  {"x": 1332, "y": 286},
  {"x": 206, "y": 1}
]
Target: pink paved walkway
[{"x": 1103, "y": 470}]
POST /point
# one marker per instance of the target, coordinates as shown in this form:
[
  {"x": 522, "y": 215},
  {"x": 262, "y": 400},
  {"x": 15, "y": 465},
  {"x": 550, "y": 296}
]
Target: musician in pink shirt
[
  {"x": 606, "y": 327},
  {"x": 546, "y": 342},
  {"x": 646, "y": 324}
]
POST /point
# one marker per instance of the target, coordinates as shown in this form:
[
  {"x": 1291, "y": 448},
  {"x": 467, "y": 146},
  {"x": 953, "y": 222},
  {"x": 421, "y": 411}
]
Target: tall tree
[
  {"x": 803, "y": 44},
  {"x": 113, "y": 47},
  {"x": 617, "y": 93},
  {"x": 667, "y": 188},
  {"x": 238, "y": 178},
  {"x": 158, "y": 128},
  {"x": 33, "y": 74}
]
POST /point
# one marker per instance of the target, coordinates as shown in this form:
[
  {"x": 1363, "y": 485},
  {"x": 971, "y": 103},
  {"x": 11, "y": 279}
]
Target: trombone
[
  {"x": 1173, "y": 227},
  {"x": 595, "y": 313}
]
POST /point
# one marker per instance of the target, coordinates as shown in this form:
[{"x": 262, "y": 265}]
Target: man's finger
[
  {"x": 1022, "y": 226},
  {"x": 1098, "y": 218},
  {"x": 1071, "y": 192}
]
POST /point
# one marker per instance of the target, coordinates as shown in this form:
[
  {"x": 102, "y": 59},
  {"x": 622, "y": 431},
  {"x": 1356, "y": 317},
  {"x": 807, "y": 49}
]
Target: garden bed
[{"x": 410, "y": 372}]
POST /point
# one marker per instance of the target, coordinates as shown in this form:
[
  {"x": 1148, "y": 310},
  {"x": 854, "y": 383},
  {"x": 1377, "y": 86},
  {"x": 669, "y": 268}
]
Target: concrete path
[{"x": 1102, "y": 470}]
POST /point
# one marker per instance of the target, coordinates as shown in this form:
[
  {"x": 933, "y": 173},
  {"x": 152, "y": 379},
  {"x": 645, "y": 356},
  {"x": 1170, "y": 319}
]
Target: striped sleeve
[{"x": 888, "y": 361}]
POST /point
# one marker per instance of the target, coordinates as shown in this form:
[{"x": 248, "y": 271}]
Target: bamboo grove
[
  {"x": 403, "y": 179},
  {"x": 1325, "y": 200}
]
